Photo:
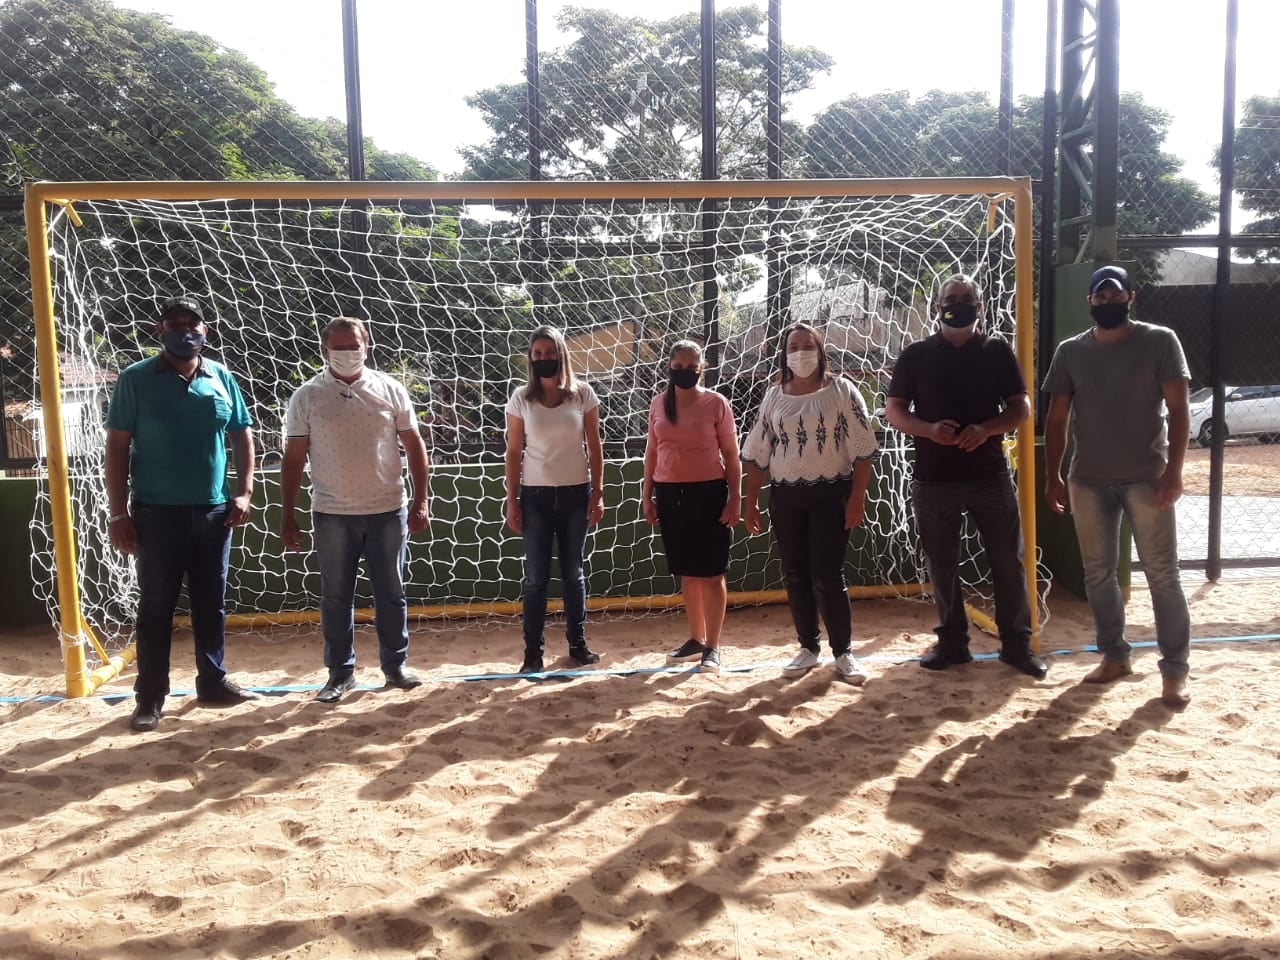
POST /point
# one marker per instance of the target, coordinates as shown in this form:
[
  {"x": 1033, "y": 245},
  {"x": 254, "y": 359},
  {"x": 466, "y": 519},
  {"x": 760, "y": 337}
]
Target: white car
[{"x": 1248, "y": 411}]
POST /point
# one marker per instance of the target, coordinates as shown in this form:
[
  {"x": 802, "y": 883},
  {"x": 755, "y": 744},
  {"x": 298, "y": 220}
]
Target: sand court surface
[{"x": 659, "y": 813}]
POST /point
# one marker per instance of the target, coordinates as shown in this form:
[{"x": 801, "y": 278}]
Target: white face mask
[
  {"x": 803, "y": 363},
  {"x": 347, "y": 363}
]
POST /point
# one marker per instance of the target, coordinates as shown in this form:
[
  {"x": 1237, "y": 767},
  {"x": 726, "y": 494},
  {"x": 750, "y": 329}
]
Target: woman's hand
[
  {"x": 515, "y": 519},
  {"x": 731, "y": 513},
  {"x": 854, "y": 512}
]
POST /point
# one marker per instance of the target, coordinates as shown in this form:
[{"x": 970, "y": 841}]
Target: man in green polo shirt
[{"x": 171, "y": 502}]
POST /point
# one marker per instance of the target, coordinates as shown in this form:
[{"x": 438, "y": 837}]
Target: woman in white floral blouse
[{"x": 815, "y": 442}]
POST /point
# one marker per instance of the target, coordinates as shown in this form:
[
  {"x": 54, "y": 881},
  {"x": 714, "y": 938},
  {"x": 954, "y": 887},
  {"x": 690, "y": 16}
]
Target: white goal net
[{"x": 450, "y": 288}]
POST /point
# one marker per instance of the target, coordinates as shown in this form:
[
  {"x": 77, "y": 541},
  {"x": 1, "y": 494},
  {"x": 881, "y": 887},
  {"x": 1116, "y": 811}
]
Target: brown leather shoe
[
  {"x": 1175, "y": 693},
  {"x": 1107, "y": 671}
]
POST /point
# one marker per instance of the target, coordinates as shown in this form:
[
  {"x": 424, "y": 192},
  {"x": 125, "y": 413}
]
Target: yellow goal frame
[{"x": 75, "y": 633}]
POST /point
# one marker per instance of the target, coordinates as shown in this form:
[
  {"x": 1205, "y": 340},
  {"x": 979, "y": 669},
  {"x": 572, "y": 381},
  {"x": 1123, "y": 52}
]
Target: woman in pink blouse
[
  {"x": 692, "y": 481},
  {"x": 814, "y": 441}
]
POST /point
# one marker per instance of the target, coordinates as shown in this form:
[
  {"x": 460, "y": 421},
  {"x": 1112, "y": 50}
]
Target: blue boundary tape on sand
[{"x": 620, "y": 671}]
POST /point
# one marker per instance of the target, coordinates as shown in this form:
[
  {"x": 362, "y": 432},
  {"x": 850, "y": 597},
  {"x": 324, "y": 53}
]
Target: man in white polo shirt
[{"x": 351, "y": 422}]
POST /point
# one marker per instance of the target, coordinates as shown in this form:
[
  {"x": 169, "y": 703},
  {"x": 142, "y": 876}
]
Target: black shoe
[
  {"x": 532, "y": 663},
  {"x": 710, "y": 661},
  {"x": 332, "y": 691},
  {"x": 940, "y": 657},
  {"x": 402, "y": 678},
  {"x": 1024, "y": 661},
  {"x": 146, "y": 717},
  {"x": 583, "y": 656},
  {"x": 224, "y": 692},
  {"x": 689, "y": 650}
]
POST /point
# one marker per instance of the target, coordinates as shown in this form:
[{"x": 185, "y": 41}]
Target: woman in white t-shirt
[
  {"x": 555, "y": 465},
  {"x": 814, "y": 440}
]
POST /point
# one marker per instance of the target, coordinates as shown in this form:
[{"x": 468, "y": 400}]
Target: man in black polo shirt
[{"x": 958, "y": 392}]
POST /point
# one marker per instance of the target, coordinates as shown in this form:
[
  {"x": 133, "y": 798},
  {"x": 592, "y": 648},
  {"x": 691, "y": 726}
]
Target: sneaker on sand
[
  {"x": 805, "y": 661},
  {"x": 710, "y": 661},
  {"x": 689, "y": 650},
  {"x": 849, "y": 670}
]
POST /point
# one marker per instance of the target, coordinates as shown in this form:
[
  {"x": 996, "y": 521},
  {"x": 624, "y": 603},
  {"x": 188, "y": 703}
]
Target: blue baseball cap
[{"x": 1104, "y": 275}]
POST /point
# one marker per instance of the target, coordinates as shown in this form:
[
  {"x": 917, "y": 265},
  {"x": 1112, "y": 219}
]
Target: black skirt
[{"x": 695, "y": 541}]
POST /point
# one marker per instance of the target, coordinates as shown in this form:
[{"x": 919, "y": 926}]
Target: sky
[{"x": 421, "y": 58}]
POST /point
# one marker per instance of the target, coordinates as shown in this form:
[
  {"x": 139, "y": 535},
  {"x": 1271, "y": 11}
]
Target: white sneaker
[
  {"x": 849, "y": 670},
  {"x": 805, "y": 661}
]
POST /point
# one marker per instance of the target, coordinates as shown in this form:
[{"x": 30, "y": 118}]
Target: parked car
[{"x": 1248, "y": 412}]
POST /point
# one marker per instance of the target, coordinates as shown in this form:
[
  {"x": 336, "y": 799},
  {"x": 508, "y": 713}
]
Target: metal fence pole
[
  {"x": 1048, "y": 198},
  {"x": 778, "y": 281},
  {"x": 533, "y": 118},
  {"x": 351, "y": 71},
  {"x": 1213, "y": 565},
  {"x": 1006, "y": 89},
  {"x": 360, "y": 219},
  {"x": 710, "y": 288}
]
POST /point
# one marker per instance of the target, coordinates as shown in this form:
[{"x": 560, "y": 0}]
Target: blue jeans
[
  {"x": 340, "y": 543},
  {"x": 1097, "y": 508},
  {"x": 177, "y": 543},
  {"x": 992, "y": 505},
  {"x": 554, "y": 515},
  {"x": 808, "y": 523}
]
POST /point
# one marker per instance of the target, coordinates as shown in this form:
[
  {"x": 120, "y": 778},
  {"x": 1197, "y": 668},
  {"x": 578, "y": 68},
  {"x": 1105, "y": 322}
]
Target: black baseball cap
[
  {"x": 1111, "y": 274},
  {"x": 181, "y": 305}
]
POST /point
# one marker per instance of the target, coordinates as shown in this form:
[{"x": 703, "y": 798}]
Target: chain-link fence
[
  {"x": 95, "y": 90},
  {"x": 1229, "y": 515},
  {"x": 98, "y": 91}
]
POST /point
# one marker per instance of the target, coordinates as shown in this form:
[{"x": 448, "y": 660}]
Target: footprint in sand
[
  {"x": 1234, "y": 720},
  {"x": 748, "y": 733},
  {"x": 387, "y": 793},
  {"x": 696, "y": 901},
  {"x": 159, "y": 906},
  {"x": 237, "y": 806}
]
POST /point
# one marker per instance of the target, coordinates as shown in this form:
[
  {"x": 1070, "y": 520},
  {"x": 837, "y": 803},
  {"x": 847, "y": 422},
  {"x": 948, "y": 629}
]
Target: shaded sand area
[{"x": 970, "y": 814}]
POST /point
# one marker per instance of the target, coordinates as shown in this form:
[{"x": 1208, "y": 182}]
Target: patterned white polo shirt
[{"x": 354, "y": 449}]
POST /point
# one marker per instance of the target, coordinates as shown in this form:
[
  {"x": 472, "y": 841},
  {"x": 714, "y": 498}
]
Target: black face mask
[
  {"x": 958, "y": 314},
  {"x": 184, "y": 343},
  {"x": 545, "y": 368},
  {"x": 684, "y": 378},
  {"x": 1109, "y": 315}
]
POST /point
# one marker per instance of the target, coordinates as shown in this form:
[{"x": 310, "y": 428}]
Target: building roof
[
  {"x": 79, "y": 372},
  {"x": 74, "y": 373},
  {"x": 1189, "y": 267},
  {"x": 19, "y": 409}
]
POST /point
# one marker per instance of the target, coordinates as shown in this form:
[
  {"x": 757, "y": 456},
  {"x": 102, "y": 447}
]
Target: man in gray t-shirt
[{"x": 1114, "y": 384}]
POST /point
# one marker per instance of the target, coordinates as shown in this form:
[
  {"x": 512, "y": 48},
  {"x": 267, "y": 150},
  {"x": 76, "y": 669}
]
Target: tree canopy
[
  {"x": 622, "y": 100},
  {"x": 956, "y": 133},
  {"x": 95, "y": 91},
  {"x": 1257, "y": 169}
]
